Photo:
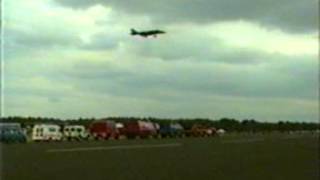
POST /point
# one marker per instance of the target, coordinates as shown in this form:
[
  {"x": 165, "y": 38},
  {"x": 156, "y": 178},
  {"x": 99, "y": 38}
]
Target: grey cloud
[
  {"x": 21, "y": 38},
  {"x": 274, "y": 80},
  {"x": 199, "y": 48},
  {"x": 103, "y": 41},
  {"x": 182, "y": 46},
  {"x": 294, "y": 16},
  {"x": 173, "y": 89},
  {"x": 15, "y": 88},
  {"x": 100, "y": 45},
  {"x": 184, "y": 68}
]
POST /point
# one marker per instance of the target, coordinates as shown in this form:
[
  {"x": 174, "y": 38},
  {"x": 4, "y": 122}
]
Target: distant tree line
[{"x": 229, "y": 124}]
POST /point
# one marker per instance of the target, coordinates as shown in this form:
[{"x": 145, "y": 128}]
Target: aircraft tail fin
[{"x": 134, "y": 32}]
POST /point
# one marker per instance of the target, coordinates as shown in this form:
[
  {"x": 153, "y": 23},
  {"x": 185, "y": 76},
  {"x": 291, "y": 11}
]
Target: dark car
[
  {"x": 11, "y": 133},
  {"x": 171, "y": 130}
]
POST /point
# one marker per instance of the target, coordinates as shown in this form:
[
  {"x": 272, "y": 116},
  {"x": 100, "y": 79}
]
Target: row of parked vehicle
[{"x": 101, "y": 130}]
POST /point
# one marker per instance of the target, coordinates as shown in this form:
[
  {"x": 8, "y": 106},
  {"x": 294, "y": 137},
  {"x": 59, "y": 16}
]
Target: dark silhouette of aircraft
[{"x": 145, "y": 34}]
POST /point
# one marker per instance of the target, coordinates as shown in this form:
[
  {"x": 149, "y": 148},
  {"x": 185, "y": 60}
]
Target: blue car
[
  {"x": 171, "y": 130},
  {"x": 11, "y": 133}
]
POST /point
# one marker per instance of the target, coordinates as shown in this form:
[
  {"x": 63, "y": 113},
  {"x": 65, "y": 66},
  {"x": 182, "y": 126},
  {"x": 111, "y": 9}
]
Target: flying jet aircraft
[{"x": 145, "y": 34}]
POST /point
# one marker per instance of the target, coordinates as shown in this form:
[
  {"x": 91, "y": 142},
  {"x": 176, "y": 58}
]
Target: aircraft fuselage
[{"x": 147, "y": 33}]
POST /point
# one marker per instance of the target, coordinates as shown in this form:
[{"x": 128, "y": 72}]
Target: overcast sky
[{"x": 238, "y": 59}]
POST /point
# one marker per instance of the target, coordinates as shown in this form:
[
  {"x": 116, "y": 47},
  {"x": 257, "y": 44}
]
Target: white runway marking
[
  {"x": 114, "y": 147},
  {"x": 243, "y": 140}
]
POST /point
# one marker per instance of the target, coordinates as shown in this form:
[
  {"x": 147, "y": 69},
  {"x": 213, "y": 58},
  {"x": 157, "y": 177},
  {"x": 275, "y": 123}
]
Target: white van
[
  {"x": 75, "y": 132},
  {"x": 46, "y": 132}
]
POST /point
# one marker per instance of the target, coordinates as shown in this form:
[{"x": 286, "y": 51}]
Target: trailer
[
  {"x": 12, "y": 133},
  {"x": 104, "y": 129},
  {"x": 46, "y": 132},
  {"x": 75, "y": 132},
  {"x": 171, "y": 130},
  {"x": 141, "y": 129}
]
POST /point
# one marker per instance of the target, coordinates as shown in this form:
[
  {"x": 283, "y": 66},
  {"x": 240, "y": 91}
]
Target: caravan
[
  {"x": 75, "y": 132},
  {"x": 46, "y": 132}
]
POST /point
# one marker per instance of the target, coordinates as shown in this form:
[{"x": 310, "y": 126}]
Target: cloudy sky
[{"x": 239, "y": 59}]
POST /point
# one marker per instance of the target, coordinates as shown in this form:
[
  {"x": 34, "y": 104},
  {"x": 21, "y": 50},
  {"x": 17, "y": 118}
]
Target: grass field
[{"x": 256, "y": 157}]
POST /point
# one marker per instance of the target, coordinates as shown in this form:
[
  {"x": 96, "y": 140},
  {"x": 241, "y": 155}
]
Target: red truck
[
  {"x": 140, "y": 129},
  {"x": 104, "y": 130}
]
